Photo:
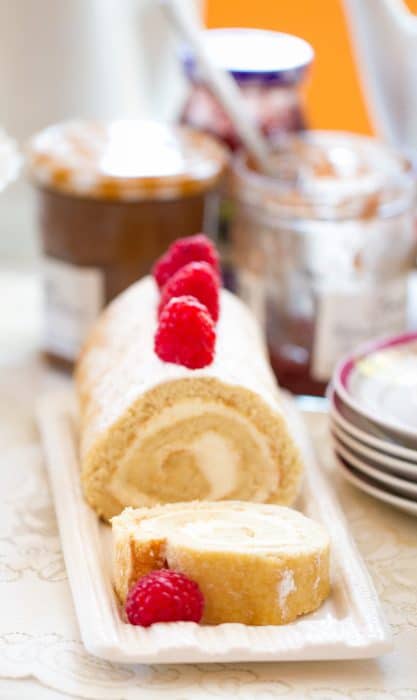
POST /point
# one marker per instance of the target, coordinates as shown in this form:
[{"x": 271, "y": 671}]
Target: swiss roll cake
[
  {"x": 155, "y": 432},
  {"x": 254, "y": 563}
]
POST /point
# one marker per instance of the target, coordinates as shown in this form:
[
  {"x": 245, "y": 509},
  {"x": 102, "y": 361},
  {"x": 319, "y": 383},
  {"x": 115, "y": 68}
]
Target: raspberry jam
[
  {"x": 268, "y": 67},
  {"x": 289, "y": 347},
  {"x": 323, "y": 249}
]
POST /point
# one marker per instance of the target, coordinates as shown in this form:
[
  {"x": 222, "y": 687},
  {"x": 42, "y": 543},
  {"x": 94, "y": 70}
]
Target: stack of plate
[{"x": 373, "y": 411}]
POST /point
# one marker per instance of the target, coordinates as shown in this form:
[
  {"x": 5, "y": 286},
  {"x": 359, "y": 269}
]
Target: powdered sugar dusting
[
  {"x": 285, "y": 587},
  {"x": 318, "y": 566}
]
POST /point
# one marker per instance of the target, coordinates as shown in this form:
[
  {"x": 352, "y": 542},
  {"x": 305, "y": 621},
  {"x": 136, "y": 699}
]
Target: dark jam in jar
[
  {"x": 269, "y": 68},
  {"x": 112, "y": 197},
  {"x": 323, "y": 249},
  {"x": 289, "y": 347}
]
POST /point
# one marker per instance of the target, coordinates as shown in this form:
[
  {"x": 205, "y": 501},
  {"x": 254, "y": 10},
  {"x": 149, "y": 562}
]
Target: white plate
[
  {"x": 366, "y": 424},
  {"x": 386, "y": 481},
  {"x": 369, "y": 486},
  {"x": 369, "y": 427},
  {"x": 349, "y": 625},
  {"x": 384, "y": 445},
  {"x": 379, "y": 381},
  {"x": 400, "y": 467}
]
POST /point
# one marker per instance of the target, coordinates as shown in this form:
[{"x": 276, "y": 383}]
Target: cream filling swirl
[
  {"x": 255, "y": 530},
  {"x": 220, "y": 448}
]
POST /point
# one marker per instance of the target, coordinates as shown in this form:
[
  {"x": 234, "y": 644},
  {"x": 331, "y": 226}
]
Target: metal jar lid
[
  {"x": 125, "y": 160},
  {"x": 254, "y": 54},
  {"x": 327, "y": 175}
]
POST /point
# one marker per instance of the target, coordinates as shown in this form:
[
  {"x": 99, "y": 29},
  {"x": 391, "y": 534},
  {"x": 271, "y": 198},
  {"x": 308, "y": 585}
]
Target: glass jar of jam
[
  {"x": 268, "y": 67},
  {"x": 323, "y": 249},
  {"x": 112, "y": 197}
]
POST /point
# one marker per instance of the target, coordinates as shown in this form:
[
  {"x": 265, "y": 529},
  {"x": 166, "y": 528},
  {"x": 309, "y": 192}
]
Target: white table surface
[{"x": 41, "y": 656}]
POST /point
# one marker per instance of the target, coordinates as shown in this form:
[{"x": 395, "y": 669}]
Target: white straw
[{"x": 222, "y": 84}]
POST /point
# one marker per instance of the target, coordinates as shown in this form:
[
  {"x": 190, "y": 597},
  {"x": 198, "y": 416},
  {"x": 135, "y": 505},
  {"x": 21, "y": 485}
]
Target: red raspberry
[
  {"x": 182, "y": 251},
  {"x": 164, "y": 596},
  {"x": 197, "y": 279},
  {"x": 185, "y": 334}
]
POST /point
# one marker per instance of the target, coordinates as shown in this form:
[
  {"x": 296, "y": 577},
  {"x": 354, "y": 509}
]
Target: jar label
[
  {"x": 74, "y": 297},
  {"x": 345, "y": 320}
]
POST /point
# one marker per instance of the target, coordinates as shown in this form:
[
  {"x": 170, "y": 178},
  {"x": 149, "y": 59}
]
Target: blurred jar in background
[
  {"x": 268, "y": 67},
  {"x": 112, "y": 197},
  {"x": 93, "y": 59},
  {"x": 324, "y": 250}
]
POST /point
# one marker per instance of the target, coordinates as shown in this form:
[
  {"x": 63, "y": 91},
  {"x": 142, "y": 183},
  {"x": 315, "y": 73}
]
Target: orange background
[{"x": 334, "y": 99}]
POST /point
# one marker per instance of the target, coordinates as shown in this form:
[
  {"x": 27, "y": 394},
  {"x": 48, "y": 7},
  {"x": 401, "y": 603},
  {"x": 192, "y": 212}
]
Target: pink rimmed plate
[
  {"x": 379, "y": 383},
  {"x": 385, "y": 481},
  {"x": 373, "y": 488},
  {"x": 364, "y": 431},
  {"x": 398, "y": 467}
]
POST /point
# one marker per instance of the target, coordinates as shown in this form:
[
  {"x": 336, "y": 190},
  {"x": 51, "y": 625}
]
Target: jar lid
[
  {"x": 125, "y": 159},
  {"x": 254, "y": 54},
  {"x": 328, "y": 175},
  {"x": 10, "y": 160}
]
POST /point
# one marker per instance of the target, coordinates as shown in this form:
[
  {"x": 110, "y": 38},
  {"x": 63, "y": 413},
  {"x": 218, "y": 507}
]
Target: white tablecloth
[{"x": 41, "y": 655}]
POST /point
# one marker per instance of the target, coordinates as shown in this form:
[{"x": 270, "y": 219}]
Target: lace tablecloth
[{"x": 39, "y": 637}]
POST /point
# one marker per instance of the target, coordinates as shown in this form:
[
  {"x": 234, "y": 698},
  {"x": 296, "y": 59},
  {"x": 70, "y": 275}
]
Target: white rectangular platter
[{"x": 349, "y": 625}]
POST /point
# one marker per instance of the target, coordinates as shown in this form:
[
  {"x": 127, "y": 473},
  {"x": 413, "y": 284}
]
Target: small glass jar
[
  {"x": 323, "y": 250},
  {"x": 112, "y": 197},
  {"x": 268, "y": 67}
]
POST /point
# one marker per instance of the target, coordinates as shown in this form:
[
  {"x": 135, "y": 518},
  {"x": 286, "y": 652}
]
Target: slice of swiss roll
[
  {"x": 155, "y": 432},
  {"x": 255, "y": 564}
]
